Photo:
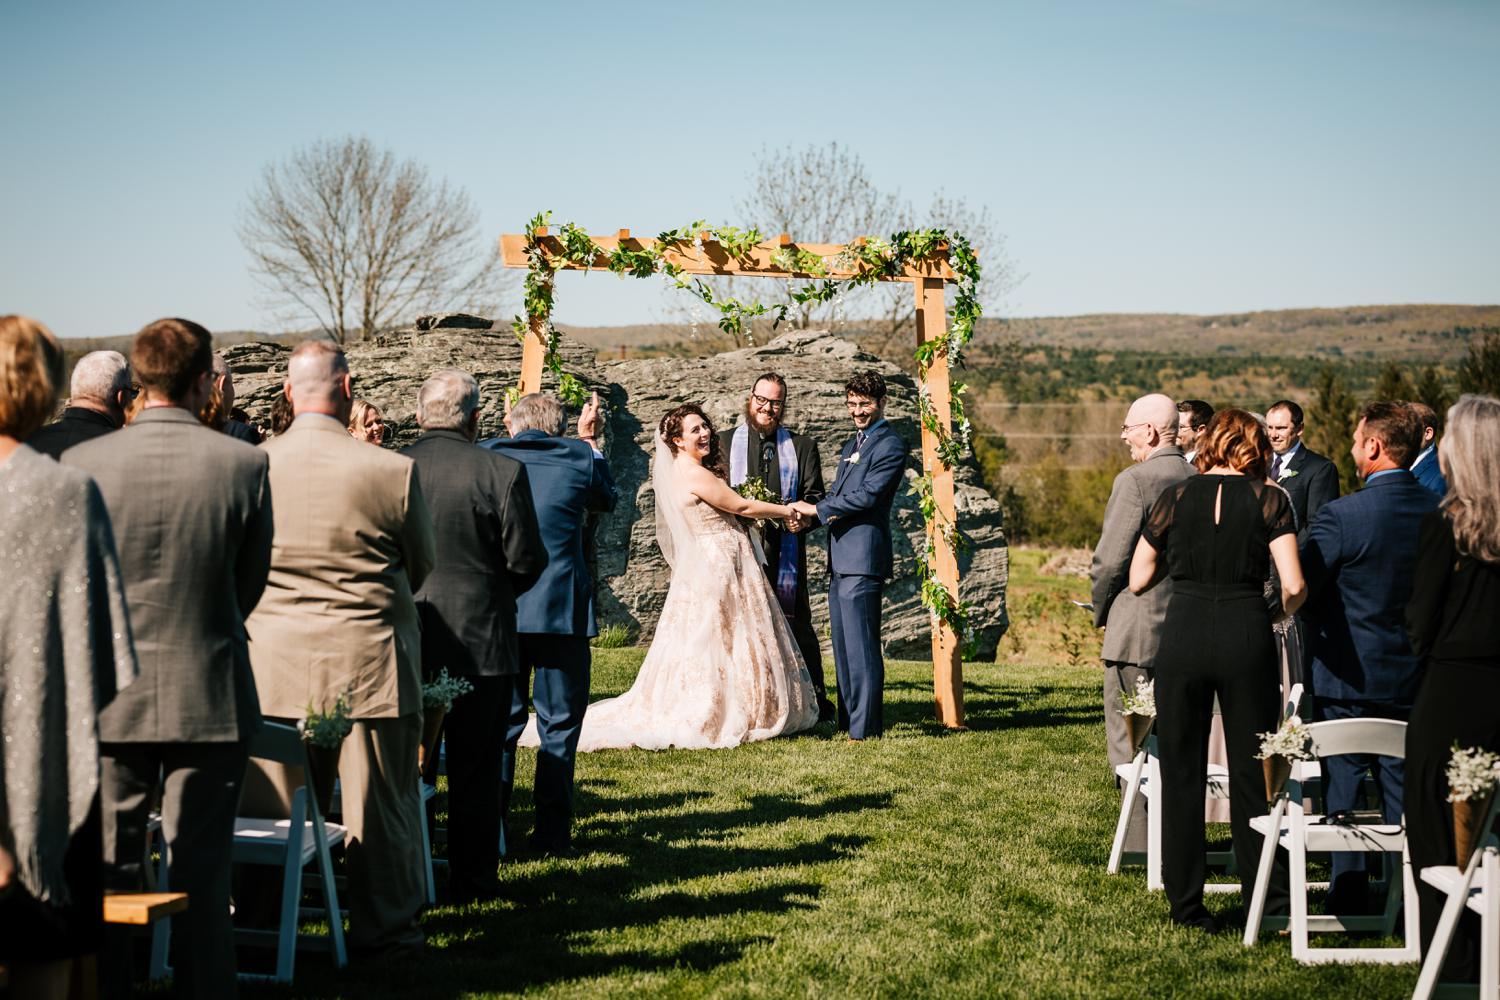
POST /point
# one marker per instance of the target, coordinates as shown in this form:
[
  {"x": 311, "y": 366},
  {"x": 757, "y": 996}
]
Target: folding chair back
[{"x": 1385, "y": 737}]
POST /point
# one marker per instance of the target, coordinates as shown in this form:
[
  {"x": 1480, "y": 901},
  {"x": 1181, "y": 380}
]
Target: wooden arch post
[{"x": 928, "y": 279}]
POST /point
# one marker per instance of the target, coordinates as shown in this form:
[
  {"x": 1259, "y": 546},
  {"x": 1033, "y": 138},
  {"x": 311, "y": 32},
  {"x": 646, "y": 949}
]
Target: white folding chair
[
  {"x": 1144, "y": 773},
  {"x": 291, "y": 844},
  {"x": 1289, "y": 825},
  {"x": 1477, "y": 886}
]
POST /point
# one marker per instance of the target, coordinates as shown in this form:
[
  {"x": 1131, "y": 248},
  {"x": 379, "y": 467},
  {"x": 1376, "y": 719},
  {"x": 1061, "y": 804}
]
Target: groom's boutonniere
[
  {"x": 1286, "y": 474},
  {"x": 853, "y": 459}
]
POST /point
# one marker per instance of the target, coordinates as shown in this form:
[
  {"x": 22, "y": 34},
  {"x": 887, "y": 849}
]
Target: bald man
[
  {"x": 97, "y": 398},
  {"x": 1133, "y": 623},
  {"x": 353, "y": 542}
]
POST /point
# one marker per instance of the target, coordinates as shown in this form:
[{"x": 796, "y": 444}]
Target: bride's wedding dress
[{"x": 723, "y": 668}]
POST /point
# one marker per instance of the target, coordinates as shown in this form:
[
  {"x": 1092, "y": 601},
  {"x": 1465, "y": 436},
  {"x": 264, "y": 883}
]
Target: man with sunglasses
[{"x": 789, "y": 465}]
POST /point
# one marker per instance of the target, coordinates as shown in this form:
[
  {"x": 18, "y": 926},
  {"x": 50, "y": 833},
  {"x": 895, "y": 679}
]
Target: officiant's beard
[{"x": 753, "y": 417}]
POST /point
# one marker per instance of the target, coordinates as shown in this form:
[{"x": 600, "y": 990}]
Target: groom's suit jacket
[{"x": 857, "y": 510}]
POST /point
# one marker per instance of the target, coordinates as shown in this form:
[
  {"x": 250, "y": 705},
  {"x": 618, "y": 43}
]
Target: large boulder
[{"x": 632, "y": 575}]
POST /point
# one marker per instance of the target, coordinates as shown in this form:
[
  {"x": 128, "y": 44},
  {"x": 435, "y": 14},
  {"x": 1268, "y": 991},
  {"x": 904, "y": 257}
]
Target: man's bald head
[
  {"x": 317, "y": 380},
  {"x": 1150, "y": 423},
  {"x": 101, "y": 382}
]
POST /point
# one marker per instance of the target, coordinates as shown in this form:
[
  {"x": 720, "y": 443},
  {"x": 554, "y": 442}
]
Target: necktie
[
  {"x": 1276, "y": 467},
  {"x": 859, "y": 441}
]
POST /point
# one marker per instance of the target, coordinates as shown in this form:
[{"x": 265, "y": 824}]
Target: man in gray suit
[
  {"x": 191, "y": 511},
  {"x": 1132, "y": 623}
]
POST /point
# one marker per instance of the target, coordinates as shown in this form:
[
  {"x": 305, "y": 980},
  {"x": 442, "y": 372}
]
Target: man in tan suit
[{"x": 353, "y": 541}]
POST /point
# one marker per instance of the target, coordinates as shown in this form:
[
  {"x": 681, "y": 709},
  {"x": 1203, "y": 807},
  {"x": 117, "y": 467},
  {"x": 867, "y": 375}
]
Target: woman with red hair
[{"x": 1218, "y": 532}]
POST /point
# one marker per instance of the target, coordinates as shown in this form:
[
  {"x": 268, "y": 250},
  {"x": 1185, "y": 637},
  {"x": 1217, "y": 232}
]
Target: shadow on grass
[
  {"x": 989, "y": 707},
  {"x": 634, "y": 884}
]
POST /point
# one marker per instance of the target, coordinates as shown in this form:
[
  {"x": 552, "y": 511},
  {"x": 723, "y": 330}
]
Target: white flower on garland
[
  {"x": 441, "y": 691},
  {"x": 1141, "y": 701},
  {"x": 1291, "y": 741},
  {"x": 1472, "y": 774}
]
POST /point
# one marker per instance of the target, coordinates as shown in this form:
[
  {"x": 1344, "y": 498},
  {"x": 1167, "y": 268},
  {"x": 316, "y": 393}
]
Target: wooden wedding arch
[{"x": 708, "y": 256}]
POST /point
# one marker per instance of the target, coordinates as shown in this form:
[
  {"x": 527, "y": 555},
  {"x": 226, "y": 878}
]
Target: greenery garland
[{"x": 868, "y": 260}]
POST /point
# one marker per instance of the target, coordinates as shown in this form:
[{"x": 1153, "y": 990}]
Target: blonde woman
[
  {"x": 1454, "y": 623},
  {"x": 365, "y": 423}
]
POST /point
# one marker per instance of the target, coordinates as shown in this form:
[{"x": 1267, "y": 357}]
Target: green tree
[
  {"x": 1430, "y": 388},
  {"x": 1393, "y": 383},
  {"x": 1329, "y": 423},
  {"x": 1480, "y": 371}
]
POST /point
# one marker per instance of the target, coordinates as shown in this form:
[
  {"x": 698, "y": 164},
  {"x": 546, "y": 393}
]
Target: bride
[{"x": 723, "y": 668}]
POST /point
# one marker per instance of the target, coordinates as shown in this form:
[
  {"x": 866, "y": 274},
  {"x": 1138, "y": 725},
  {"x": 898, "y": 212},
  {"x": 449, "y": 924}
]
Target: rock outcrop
[{"x": 632, "y": 575}]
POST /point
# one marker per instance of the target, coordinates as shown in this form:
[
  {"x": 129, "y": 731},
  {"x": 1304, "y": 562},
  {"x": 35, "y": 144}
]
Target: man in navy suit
[
  {"x": 1425, "y": 466},
  {"x": 555, "y": 618},
  {"x": 1359, "y": 557},
  {"x": 857, "y": 512}
]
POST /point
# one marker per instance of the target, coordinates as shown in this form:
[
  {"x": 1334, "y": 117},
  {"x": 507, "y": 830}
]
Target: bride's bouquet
[{"x": 754, "y": 488}]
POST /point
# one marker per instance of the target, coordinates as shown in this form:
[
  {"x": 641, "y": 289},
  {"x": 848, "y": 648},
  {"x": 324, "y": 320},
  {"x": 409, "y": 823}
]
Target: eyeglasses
[
  {"x": 768, "y": 404},
  {"x": 1127, "y": 428},
  {"x": 135, "y": 389}
]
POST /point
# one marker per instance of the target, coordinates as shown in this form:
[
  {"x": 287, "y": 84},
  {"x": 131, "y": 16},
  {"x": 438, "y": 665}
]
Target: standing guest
[
  {"x": 1132, "y": 623},
  {"x": 857, "y": 512},
  {"x": 790, "y": 467},
  {"x": 233, "y": 425},
  {"x": 1359, "y": 556},
  {"x": 1310, "y": 479},
  {"x": 1215, "y": 535},
  {"x": 1193, "y": 416},
  {"x": 1426, "y": 466},
  {"x": 353, "y": 541},
  {"x": 555, "y": 618},
  {"x": 192, "y": 516},
  {"x": 1454, "y": 623},
  {"x": 365, "y": 423},
  {"x": 101, "y": 391},
  {"x": 65, "y": 645},
  {"x": 489, "y": 549}
]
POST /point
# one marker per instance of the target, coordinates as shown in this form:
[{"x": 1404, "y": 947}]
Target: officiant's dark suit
[
  {"x": 857, "y": 512},
  {"x": 489, "y": 550},
  {"x": 1360, "y": 558},
  {"x": 1310, "y": 480},
  {"x": 761, "y": 462},
  {"x": 191, "y": 510},
  {"x": 554, "y": 618}
]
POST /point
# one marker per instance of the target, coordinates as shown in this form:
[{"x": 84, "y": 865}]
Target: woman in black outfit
[
  {"x": 1219, "y": 532},
  {"x": 1454, "y": 622}
]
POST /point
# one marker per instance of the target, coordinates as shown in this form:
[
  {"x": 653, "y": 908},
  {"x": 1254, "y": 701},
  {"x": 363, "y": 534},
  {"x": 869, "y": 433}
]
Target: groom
[
  {"x": 858, "y": 514},
  {"x": 790, "y": 467}
]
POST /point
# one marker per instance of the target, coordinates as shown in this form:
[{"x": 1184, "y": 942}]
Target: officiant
[{"x": 789, "y": 466}]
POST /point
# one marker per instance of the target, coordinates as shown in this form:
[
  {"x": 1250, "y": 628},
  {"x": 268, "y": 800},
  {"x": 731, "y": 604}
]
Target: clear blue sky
[{"x": 1149, "y": 156}]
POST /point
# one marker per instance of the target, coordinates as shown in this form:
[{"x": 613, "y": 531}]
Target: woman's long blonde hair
[{"x": 1469, "y": 456}]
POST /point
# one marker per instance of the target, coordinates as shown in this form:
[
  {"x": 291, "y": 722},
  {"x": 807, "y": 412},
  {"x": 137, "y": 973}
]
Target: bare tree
[
  {"x": 823, "y": 193},
  {"x": 344, "y": 233}
]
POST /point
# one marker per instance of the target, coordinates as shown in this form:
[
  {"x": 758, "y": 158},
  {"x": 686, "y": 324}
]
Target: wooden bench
[{"x": 142, "y": 908}]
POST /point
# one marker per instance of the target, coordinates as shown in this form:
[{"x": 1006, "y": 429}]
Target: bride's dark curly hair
[{"x": 670, "y": 429}]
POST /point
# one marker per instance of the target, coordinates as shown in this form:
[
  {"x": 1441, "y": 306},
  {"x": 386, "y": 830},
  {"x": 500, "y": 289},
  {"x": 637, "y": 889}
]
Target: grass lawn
[{"x": 928, "y": 863}]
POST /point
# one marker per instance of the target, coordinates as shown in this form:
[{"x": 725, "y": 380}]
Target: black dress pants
[
  {"x": 1459, "y": 701},
  {"x": 474, "y": 729},
  {"x": 1186, "y": 683}
]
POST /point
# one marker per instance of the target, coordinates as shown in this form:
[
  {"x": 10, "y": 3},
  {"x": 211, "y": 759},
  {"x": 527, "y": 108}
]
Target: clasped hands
[{"x": 803, "y": 516}]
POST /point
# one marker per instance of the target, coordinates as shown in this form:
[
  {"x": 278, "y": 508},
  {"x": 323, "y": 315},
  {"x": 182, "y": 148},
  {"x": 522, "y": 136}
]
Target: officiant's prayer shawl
[{"x": 786, "y": 462}]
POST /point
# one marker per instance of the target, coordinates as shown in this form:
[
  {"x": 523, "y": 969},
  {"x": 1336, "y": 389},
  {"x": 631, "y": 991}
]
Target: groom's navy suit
[
  {"x": 555, "y": 620},
  {"x": 857, "y": 512}
]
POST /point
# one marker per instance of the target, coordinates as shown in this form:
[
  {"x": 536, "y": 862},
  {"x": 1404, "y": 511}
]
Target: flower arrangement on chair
[
  {"x": 324, "y": 730},
  {"x": 1278, "y": 749},
  {"x": 437, "y": 700},
  {"x": 1139, "y": 709},
  {"x": 1473, "y": 775}
]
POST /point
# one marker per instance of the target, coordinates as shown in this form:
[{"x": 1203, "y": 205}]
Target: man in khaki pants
[{"x": 353, "y": 541}]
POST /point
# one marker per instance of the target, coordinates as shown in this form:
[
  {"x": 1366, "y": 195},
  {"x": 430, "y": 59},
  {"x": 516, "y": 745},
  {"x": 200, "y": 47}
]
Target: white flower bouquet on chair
[
  {"x": 1139, "y": 709},
  {"x": 1277, "y": 751},
  {"x": 1473, "y": 775}
]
